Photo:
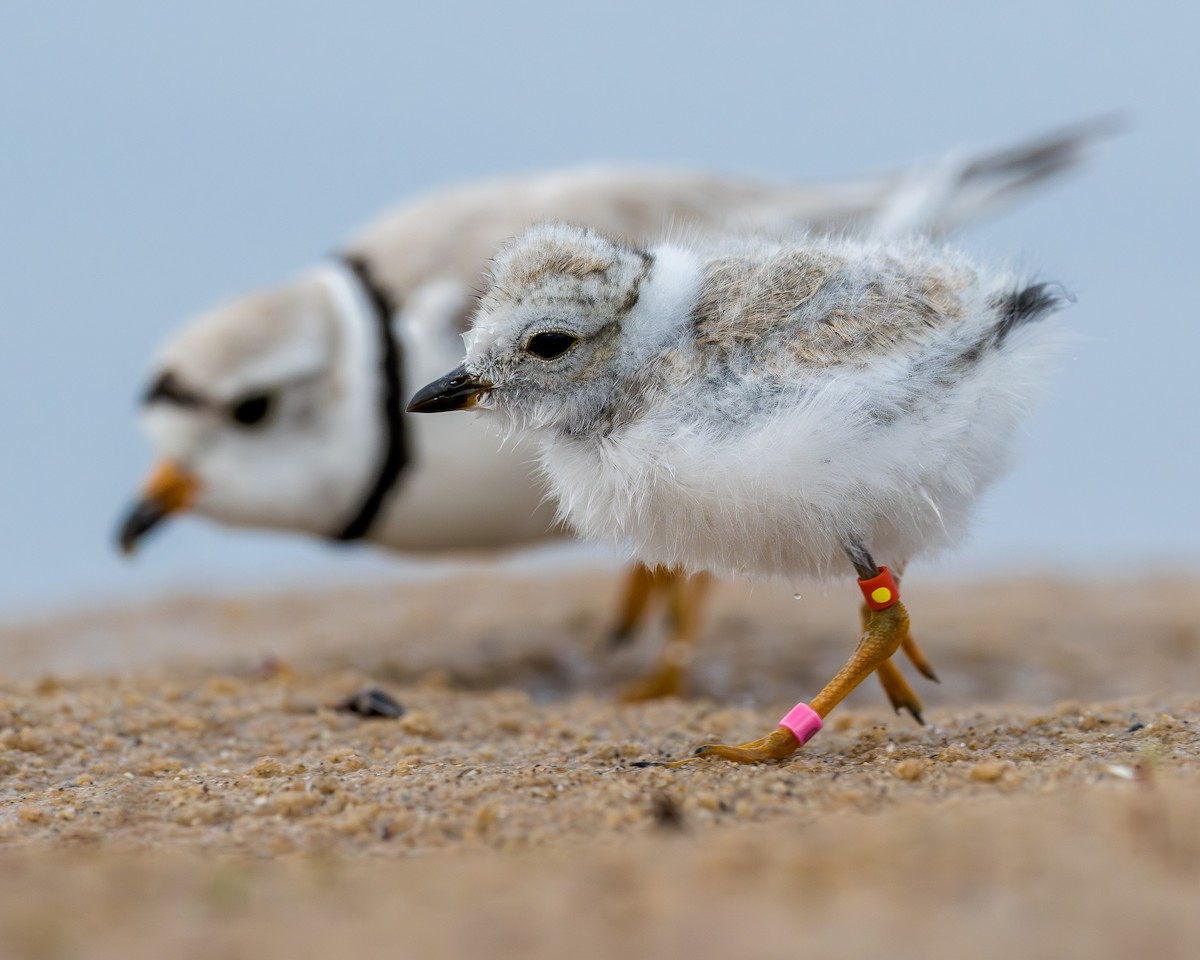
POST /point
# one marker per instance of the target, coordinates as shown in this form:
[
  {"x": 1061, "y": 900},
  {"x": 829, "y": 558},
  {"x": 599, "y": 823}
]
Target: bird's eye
[
  {"x": 252, "y": 410},
  {"x": 550, "y": 344}
]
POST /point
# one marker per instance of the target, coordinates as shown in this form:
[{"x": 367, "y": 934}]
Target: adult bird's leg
[
  {"x": 884, "y": 633},
  {"x": 641, "y": 584},
  {"x": 685, "y": 609}
]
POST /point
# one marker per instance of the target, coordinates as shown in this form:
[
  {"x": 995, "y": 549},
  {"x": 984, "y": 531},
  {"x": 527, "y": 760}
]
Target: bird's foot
[
  {"x": 899, "y": 693},
  {"x": 779, "y": 744},
  {"x": 798, "y": 726}
]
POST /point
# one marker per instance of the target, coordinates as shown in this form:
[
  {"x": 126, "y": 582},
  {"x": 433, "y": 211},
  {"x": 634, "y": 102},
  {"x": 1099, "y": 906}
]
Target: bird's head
[
  {"x": 551, "y": 343},
  {"x": 262, "y": 412}
]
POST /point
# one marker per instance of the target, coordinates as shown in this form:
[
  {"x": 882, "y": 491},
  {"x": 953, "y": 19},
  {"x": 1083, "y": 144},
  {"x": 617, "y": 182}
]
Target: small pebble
[
  {"x": 372, "y": 702},
  {"x": 912, "y": 768},
  {"x": 990, "y": 770}
]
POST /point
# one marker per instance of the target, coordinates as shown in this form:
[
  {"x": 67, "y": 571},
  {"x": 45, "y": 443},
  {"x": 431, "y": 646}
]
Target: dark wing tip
[
  {"x": 1029, "y": 304},
  {"x": 1049, "y": 153}
]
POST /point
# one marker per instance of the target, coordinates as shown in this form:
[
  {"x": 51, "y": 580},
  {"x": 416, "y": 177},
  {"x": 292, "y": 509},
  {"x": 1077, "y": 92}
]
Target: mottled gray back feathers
[{"x": 817, "y": 308}]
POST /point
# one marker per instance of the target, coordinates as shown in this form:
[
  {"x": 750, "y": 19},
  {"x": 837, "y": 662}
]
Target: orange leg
[
  {"x": 685, "y": 609},
  {"x": 640, "y": 585},
  {"x": 916, "y": 656},
  {"x": 900, "y": 695},
  {"x": 883, "y": 636}
]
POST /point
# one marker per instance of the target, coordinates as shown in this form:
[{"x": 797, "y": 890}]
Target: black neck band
[{"x": 391, "y": 410}]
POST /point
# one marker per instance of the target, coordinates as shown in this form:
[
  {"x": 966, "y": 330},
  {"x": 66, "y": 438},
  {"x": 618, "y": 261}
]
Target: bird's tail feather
[
  {"x": 941, "y": 196},
  {"x": 1027, "y": 305}
]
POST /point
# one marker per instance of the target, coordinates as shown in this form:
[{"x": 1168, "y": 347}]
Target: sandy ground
[{"x": 175, "y": 783}]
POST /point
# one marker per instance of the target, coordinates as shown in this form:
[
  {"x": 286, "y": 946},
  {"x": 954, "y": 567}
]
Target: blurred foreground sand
[{"x": 153, "y": 759}]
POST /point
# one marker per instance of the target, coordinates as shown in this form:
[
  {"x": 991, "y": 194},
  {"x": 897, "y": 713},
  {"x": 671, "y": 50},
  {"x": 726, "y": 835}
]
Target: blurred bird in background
[{"x": 284, "y": 409}]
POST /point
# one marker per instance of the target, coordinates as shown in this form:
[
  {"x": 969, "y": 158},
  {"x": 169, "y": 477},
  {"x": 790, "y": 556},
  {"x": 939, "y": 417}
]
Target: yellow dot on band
[{"x": 881, "y": 594}]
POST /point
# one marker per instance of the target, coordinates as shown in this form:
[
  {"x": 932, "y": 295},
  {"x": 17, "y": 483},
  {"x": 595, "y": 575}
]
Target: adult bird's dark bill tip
[
  {"x": 457, "y": 390},
  {"x": 142, "y": 517},
  {"x": 169, "y": 489}
]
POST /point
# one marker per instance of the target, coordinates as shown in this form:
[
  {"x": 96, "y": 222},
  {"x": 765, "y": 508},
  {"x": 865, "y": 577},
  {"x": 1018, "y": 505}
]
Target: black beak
[
  {"x": 457, "y": 390},
  {"x": 142, "y": 517}
]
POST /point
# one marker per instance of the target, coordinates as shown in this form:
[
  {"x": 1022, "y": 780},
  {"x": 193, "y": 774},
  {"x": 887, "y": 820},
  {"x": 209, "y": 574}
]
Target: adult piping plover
[
  {"x": 759, "y": 408},
  {"x": 283, "y": 409}
]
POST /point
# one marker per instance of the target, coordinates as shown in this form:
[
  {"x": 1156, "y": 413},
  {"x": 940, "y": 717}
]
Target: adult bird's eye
[
  {"x": 550, "y": 344},
  {"x": 252, "y": 410}
]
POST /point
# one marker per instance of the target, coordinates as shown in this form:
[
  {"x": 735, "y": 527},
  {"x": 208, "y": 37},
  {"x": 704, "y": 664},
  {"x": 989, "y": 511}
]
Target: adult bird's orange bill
[{"x": 169, "y": 489}]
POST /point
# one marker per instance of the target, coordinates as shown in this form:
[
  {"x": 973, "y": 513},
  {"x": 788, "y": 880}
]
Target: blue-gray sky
[{"x": 155, "y": 158}]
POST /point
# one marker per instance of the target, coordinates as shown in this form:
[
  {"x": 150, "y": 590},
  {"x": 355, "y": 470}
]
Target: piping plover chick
[
  {"x": 784, "y": 410},
  {"x": 283, "y": 409}
]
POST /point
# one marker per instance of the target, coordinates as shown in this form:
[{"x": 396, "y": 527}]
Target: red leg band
[{"x": 880, "y": 591}]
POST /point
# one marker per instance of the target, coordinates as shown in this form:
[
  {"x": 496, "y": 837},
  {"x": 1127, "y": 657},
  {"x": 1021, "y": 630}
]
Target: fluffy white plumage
[{"x": 757, "y": 407}]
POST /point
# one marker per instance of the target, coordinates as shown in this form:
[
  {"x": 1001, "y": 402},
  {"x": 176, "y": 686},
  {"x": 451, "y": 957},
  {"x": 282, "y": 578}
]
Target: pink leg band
[{"x": 803, "y": 721}]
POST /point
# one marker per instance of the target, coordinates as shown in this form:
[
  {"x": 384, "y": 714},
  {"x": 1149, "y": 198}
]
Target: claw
[{"x": 899, "y": 693}]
